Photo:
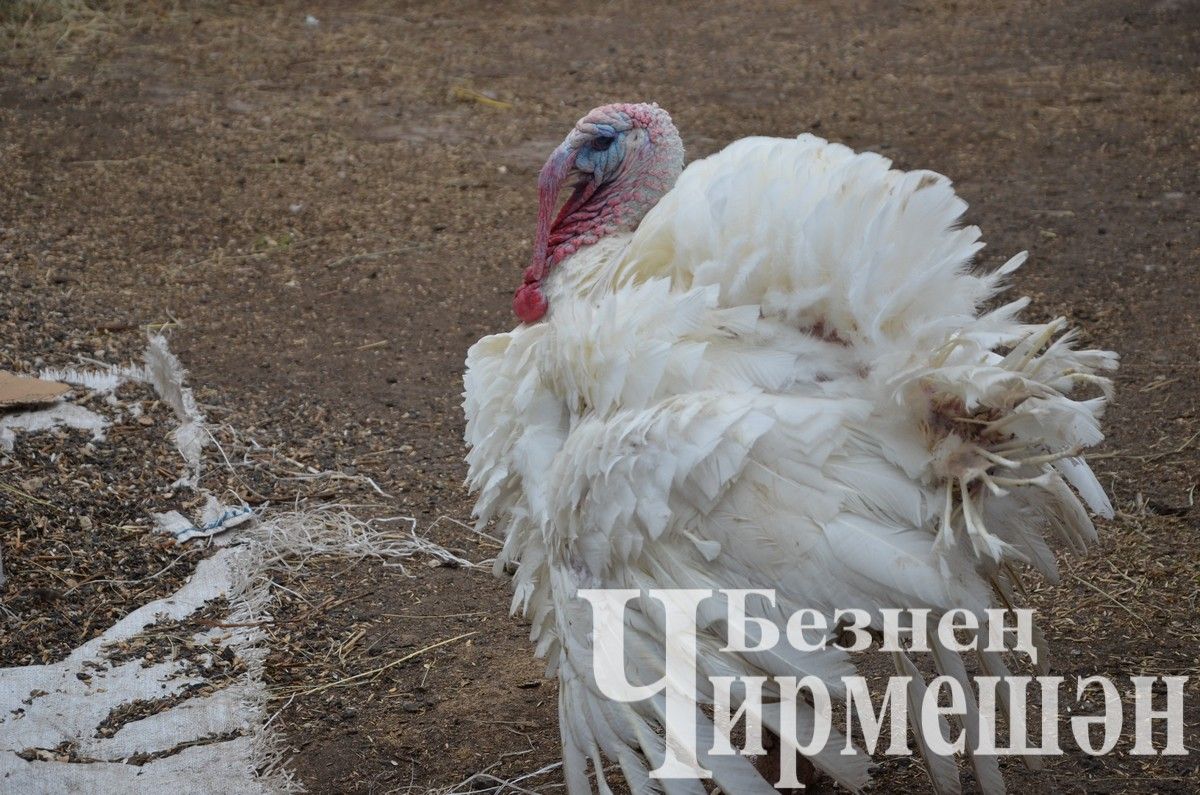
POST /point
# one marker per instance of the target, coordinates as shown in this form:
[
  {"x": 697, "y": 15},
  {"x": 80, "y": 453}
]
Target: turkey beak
[{"x": 550, "y": 182}]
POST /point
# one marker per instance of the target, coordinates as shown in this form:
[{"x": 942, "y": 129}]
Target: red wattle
[{"x": 529, "y": 304}]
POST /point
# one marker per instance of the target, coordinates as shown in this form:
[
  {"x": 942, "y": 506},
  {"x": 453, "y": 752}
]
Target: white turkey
[{"x": 774, "y": 369}]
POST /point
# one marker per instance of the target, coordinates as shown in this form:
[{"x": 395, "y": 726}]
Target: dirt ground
[{"x": 328, "y": 214}]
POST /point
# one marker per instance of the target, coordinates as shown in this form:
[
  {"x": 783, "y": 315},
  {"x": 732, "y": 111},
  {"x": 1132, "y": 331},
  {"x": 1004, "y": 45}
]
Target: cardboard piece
[{"x": 20, "y": 390}]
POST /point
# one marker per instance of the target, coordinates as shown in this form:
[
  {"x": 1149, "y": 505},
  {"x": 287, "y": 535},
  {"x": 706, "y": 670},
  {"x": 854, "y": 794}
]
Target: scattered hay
[
  {"x": 186, "y": 671},
  {"x": 59, "y": 24},
  {"x": 285, "y": 541},
  {"x": 51, "y": 32}
]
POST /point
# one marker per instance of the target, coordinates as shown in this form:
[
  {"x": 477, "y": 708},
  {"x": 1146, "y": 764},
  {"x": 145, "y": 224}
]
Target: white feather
[{"x": 783, "y": 379}]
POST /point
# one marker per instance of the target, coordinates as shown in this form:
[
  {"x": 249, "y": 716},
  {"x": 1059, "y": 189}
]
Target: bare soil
[{"x": 329, "y": 215}]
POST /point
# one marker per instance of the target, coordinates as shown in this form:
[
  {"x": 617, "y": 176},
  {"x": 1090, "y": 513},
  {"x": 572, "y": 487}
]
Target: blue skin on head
[
  {"x": 602, "y": 154},
  {"x": 613, "y": 185}
]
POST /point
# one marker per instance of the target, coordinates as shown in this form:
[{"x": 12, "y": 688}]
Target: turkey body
[{"x": 783, "y": 379}]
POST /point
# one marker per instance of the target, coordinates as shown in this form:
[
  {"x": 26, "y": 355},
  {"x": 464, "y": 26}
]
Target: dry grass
[{"x": 48, "y": 31}]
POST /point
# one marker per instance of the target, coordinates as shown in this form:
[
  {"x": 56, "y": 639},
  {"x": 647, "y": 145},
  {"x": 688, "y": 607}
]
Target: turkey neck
[
  {"x": 591, "y": 271},
  {"x": 616, "y": 207}
]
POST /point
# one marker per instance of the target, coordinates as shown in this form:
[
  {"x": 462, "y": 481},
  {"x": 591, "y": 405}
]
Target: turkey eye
[{"x": 601, "y": 143}]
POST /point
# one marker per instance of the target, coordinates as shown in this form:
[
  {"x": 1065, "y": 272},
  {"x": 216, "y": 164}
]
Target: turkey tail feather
[
  {"x": 986, "y": 767},
  {"x": 943, "y": 772}
]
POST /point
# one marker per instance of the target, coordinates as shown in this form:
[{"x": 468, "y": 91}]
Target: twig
[
  {"x": 1146, "y": 456},
  {"x": 370, "y": 345},
  {"x": 1111, "y": 598},
  {"x": 153, "y": 576},
  {"x": 382, "y": 668},
  {"x": 447, "y": 615},
  {"x": 467, "y": 527},
  {"x": 374, "y": 254},
  {"x": 13, "y": 490}
]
